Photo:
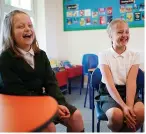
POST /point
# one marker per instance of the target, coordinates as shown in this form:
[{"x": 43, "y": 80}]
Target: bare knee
[
  {"x": 76, "y": 122},
  {"x": 76, "y": 116},
  {"x": 115, "y": 119},
  {"x": 115, "y": 115},
  {"x": 139, "y": 111},
  {"x": 50, "y": 128}
]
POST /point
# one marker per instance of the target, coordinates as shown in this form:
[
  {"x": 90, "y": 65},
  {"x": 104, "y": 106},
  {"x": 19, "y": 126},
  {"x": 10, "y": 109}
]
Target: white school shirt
[
  {"x": 119, "y": 64},
  {"x": 28, "y": 56}
]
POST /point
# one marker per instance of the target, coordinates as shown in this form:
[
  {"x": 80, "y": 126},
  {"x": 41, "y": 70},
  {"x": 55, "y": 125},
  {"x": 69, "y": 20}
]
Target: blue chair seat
[{"x": 99, "y": 113}]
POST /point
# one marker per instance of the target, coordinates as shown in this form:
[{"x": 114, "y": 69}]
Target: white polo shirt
[{"x": 119, "y": 64}]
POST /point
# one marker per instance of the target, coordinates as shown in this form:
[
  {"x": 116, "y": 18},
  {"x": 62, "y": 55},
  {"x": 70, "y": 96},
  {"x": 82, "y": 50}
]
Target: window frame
[{"x": 5, "y": 8}]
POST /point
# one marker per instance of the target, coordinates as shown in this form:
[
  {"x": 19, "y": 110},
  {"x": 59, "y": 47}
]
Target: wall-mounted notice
[{"x": 97, "y": 14}]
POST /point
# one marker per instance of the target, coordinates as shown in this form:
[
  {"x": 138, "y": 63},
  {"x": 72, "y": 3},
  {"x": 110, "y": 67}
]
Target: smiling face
[
  {"x": 120, "y": 34},
  {"x": 23, "y": 32}
]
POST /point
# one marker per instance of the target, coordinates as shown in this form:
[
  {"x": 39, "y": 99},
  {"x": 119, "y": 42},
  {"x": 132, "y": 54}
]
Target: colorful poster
[
  {"x": 75, "y": 14},
  {"x": 109, "y": 10},
  {"x": 75, "y": 20},
  {"x": 102, "y": 10},
  {"x": 137, "y": 16},
  {"x": 129, "y": 8},
  {"x": 88, "y": 21},
  {"x": 126, "y": 1},
  {"x": 82, "y": 12},
  {"x": 142, "y": 15},
  {"x": 69, "y": 14},
  {"x": 102, "y": 20},
  {"x": 82, "y": 22},
  {"x": 87, "y": 12},
  {"x": 94, "y": 13},
  {"x": 95, "y": 21},
  {"x": 122, "y": 9},
  {"x": 129, "y": 17},
  {"x": 141, "y": 7},
  {"x": 72, "y": 7},
  {"x": 123, "y": 17},
  {"x": 97, "y": 14},
  {"x": 109, "y": 19},
  {"x": 69, "y": 21},
  {"x": 135, "y": 7}
]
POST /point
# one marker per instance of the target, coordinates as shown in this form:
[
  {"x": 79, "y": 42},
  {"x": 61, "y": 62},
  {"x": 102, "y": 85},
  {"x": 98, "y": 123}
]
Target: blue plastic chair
[
  {"x": 140, "y": 84},
  {"x": 95, "y": 82},
  {"x": 89, "y": 61}
]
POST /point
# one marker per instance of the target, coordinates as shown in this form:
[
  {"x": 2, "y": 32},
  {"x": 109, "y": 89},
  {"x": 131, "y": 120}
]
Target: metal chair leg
[
  {"x": 69, "y": 86},
  {"x": 86, "y": 96},
  {"x": 141, "y": 129},
  {"x": 82, "y": 84},
  {"x": 98, "y": 126},
  {"x": 93, "y": 119},
  {"x": 82, "y": 81},
  {"x": 80, "y": 91}
]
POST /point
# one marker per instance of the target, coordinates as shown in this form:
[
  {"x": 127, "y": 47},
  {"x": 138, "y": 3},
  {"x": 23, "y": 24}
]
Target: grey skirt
[
  {"x": 105, "y": 105},
  {"x": 108, "y": 102}
]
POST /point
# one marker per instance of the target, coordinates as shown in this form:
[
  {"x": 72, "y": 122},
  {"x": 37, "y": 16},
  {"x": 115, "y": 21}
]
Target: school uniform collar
[
  {"x": 25, "y": 53},
  {"x": 116, "y": 55}
]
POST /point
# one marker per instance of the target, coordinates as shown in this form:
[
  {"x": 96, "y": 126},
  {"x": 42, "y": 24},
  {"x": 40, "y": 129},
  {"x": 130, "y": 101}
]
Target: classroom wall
[
  {"x": 90, "y": 41},
  {"x": 51, "y": 26},
  {"x": 40, "y": 24},
  {"x": 72, "y": 45}
]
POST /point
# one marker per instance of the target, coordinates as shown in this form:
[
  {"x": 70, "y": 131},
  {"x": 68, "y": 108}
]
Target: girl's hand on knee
[
  {"x": 63, "y": 112},
  {"x": 129, "y": 125},
  {"x": 130, "y": 118}
]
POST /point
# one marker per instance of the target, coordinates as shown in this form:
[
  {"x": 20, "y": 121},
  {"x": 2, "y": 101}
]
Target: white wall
[
  {"x": 51, "y": 17},
  {"x": 46, "y": 14},
  {"x": 72, "y": 45},
  {"x": 40, "y": 24}
]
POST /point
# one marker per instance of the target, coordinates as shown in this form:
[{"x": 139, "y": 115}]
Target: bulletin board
[{"x": 97, "y": 14}]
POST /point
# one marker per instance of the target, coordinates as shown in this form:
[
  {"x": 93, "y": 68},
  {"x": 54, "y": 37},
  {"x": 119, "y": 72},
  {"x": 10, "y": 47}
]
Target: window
[
  {"x": 9, "y": 5},
  {"x": 24, "y": 4}
]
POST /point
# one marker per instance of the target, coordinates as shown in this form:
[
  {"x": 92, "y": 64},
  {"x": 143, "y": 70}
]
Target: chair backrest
[
  {"x": 89, "y": 61},
  {"x": 140, "y": 83},
  {"x": 140, "y": 78},
  {"x": 95, "y": 81},
  {"x": 96, "y": 78}
]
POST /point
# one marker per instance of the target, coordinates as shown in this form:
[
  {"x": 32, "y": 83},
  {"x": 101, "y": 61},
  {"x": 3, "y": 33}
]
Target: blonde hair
[
  {"x": 113, "y": 23},
  {"x": 6, "y": 38}
]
